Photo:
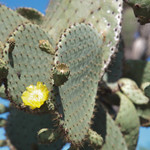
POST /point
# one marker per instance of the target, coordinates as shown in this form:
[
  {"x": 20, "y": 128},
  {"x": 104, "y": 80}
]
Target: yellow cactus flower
[{"x": 35, "y": 96}]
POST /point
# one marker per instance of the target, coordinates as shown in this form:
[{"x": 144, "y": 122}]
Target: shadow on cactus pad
[{"x": 22, "y": 128}]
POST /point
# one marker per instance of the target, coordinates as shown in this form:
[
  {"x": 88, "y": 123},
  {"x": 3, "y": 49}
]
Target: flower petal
[{"x": 35, "y": 96}]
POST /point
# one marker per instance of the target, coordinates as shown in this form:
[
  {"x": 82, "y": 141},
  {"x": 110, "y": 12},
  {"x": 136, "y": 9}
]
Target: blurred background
[{"x": 137, "y": 46}]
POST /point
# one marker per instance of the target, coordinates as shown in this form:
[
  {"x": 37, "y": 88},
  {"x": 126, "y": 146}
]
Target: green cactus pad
[
  {"x": 2, "y": 91},
  {"x": 147, "y": 91},
  {"x": 141, "y": 10},
  {"x": 128, "y": 121},
  {"x": 105, "y": 16},
  {"x": 112, "y": 132},
  {"x": 31, "y": 14},
  {"x": 27, "y": 64},
  {"x": 144, "y": 111},
  {"x": 137, "y": 70},
  {"x": 3, "y": 70},
  {"x": 129, "y": 27},
  {"x": 116, "y": 66},
  {"x": 1, "y": 49},
  {"x": 9, "y": 20},
  {"x": 80, "y": 49},
  {"x": 22, "y": 128},
  {"x": 104, "y": 125},
  {"x": 94, "y": 139},
  {"x": 144, "y": 85},
  {"x": 131, "y": 90}
]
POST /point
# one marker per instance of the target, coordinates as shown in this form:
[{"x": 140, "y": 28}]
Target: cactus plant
[
  {"x": 141, "y": 9},
  {"x": 53, "y": 69}
]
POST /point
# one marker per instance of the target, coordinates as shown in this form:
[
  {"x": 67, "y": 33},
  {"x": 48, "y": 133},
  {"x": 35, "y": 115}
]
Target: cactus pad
[
  {"x": 2, "y": 91},
  {"x": 131, "y": 90},
  {"x": 27, "y": 63},
  {"x": 116, "y": 66},
  {"x": 31, "y": 14},
  {"x": 129, "y": 124},
  {"x": 3, "y": 70},
  {"x": 147, "y": 91},
  {"x": 1, "y": 49},
  {"x": 113, "y": 135},
  {"x": 9, "y": 20},
  {"x": 104, "y": 125},
  {"x": 94, "y": 139},
  {"x": 105, "y": 16},
  {"x": 80, "y": 49},
  {"x": 46, "y": 135},
  {"x": 141, "y": 9},
  {"x": 22, "y": 128},
  {"x": 137, "y": 70},
  {"x": 144, "y": 111}
]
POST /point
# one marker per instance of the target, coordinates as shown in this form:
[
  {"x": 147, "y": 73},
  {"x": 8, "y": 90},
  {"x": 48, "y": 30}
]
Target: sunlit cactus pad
[
  {"x": 104, "y": 15},
  {"x": 80, "y": 49},
  {"x": 131, "y": 90},
  {"x": 27, "y": 63},
  {"x": 9, "y": 20},
  {"x": 53, "y": 69}
]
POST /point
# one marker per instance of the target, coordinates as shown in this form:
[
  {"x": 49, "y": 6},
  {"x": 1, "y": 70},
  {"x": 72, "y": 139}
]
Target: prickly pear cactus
[
  {"x": 141, "y": 9},
  {"x": 31, "y": 14},
  {"x": 129, "y": 125},
  {"x": 137, "y": 70},
  {"x": 104, "y": 125},
  {"x": 79, "y": 48},
  {"x": 27, "y": 51},
  {"x": 105, "y": 16},
  {"x": 67, "y": 54},
  {"x": 9, "y": 20},
  {"x": 130, "y": 89},
  {"x": 25, "y": 135}
]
